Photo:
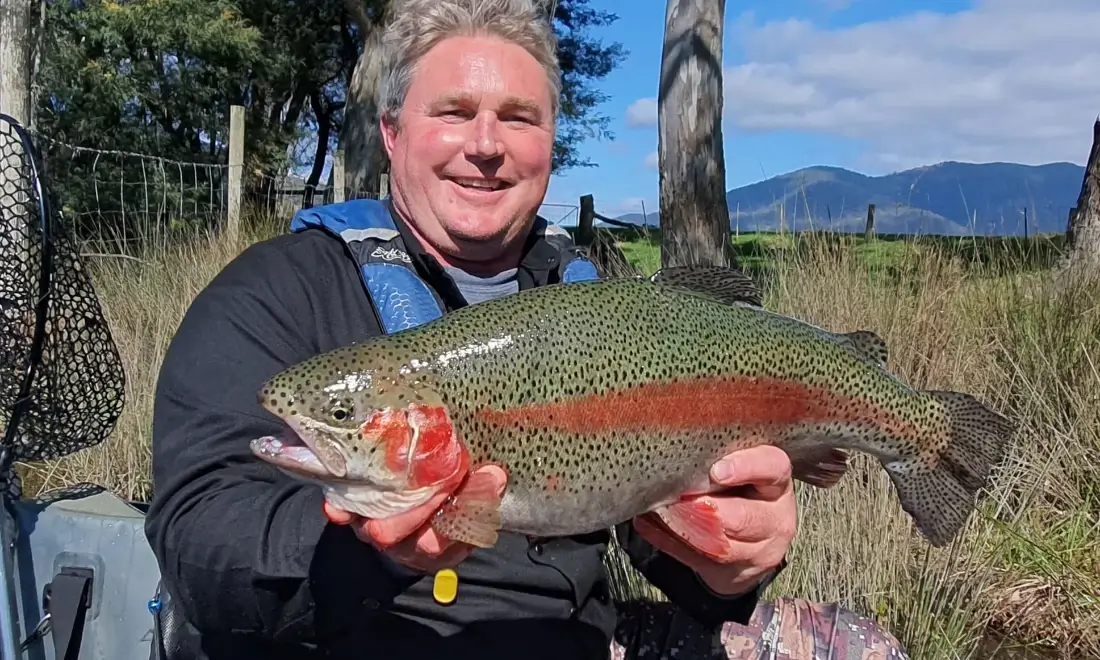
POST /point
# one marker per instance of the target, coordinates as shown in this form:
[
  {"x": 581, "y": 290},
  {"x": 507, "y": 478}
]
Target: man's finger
[
  {"x": 337, "y": 516},
  {"x": 496, "y": 474},
  {"x": 740, "y": 571},
  {"x": 430, "y": 542},
  {"x": 675, "y": 547},
  {"x": 765, "y": 467},
  {"x": 390, "y": 531},
  {"x": 450, "y": 558},
  {"x": 747, "y": 521}
]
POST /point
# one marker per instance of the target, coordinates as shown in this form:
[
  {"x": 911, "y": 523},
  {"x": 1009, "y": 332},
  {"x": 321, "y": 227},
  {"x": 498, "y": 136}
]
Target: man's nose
[{"x": 485, "y": 141}]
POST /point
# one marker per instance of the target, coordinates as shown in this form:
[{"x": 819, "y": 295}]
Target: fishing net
[{"x": 61, "y": 376}]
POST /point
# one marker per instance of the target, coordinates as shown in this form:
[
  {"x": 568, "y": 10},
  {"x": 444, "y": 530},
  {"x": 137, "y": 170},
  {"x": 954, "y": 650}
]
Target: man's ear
[{"x": 389, "y": 133}]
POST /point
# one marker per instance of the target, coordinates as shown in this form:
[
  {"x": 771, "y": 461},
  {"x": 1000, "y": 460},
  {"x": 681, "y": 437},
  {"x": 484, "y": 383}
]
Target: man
[{"x": 468, "y": 98}]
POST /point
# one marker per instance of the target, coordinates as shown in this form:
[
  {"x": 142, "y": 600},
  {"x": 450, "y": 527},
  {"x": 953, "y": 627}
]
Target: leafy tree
[
  {"x": 159, "y": 78},
  {"x": 150, "y": 78}
]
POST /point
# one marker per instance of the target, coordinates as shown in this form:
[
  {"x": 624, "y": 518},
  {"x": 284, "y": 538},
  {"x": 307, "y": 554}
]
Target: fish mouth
[{"x": 291, "y": 454}]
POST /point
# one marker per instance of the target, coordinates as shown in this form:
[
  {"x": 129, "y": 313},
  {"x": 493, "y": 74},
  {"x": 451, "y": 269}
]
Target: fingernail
[{"x": 723, "y": 470}]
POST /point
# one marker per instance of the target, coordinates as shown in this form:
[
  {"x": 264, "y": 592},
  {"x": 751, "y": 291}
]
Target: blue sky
[{"x": 870, "y": 85}]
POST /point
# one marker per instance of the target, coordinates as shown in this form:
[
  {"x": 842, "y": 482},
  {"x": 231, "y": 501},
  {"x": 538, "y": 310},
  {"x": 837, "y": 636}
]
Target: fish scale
[{"x": 610, "y": 399}]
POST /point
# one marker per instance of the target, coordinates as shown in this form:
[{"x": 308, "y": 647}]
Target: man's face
[{"x": 470, "y": 155}]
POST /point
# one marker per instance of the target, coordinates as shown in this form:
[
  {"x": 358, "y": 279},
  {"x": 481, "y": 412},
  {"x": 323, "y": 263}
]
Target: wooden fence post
[
  {"x": 869, "y": 231},
  {"x": 236, "y": 169},
  {"x": 586, "y": 220},
  {"x": 339, "y": 182}
]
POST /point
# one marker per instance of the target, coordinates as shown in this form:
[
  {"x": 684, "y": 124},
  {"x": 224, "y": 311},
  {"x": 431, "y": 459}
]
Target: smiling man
[
  {"x": 470, "y": 150},
  {"x": 256, "y": 561}
]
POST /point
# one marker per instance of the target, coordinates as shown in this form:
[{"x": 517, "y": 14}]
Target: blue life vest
[{"x": 400, "y": 297}]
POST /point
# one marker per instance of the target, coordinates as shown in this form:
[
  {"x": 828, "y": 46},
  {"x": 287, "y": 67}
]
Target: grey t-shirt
[{"x": 476, "y": 288}]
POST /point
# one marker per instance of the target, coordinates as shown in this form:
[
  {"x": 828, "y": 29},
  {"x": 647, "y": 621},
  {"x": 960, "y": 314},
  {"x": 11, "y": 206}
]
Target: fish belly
[
  {"x": 542, "y": 514},
  {"x": 612, "y": 484}
]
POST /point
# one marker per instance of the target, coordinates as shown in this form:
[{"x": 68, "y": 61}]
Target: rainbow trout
[{"x": 607, "y": 400}]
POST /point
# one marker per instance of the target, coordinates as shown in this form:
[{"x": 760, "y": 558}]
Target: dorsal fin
[
  {"x": 869, "y": 344},
  {"x": 727, "y": 285}
]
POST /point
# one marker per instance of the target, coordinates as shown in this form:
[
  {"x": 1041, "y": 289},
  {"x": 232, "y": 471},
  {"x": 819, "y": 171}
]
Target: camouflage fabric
[{"x": 783, "y": 629}]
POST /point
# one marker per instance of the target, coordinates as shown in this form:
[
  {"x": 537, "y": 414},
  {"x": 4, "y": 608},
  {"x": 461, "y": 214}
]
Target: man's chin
[
  {"x": 484, "y": 252},
  {"x": 482, "y": 227}
]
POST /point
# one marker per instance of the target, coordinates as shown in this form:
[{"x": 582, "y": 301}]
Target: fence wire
[
  {"x": 127, "y": 197},
  {"x": 61, "y": 376},
  {"x": 119, "y": 201}
]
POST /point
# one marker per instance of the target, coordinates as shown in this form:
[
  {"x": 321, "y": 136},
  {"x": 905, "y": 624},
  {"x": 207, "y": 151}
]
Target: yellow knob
[{"x": 445, "y": 587}]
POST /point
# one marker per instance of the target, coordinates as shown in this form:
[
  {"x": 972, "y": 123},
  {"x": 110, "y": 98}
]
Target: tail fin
[{"x": 940, "y": 496}]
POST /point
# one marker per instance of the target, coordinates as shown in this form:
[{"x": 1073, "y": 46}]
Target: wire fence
[{"x": 126, "y": 199}]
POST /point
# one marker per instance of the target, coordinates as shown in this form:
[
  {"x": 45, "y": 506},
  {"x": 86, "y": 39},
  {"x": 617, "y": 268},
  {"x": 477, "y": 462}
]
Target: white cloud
[
  {"x": 651, "y": 161},
  {"x": 642, "y": 113},
  {"x": 1011, "y": 80}
]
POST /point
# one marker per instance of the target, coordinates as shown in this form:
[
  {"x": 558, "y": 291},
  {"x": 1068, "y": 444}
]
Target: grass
[{"x": 987, "y": 317}]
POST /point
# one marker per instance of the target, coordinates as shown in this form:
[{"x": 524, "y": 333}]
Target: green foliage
[
  {"x": 583, "y": 59},
  {"x": 144, "y": 76},
  {"x": 150, "y": 77},
  {"x": 158, "y": 77}
]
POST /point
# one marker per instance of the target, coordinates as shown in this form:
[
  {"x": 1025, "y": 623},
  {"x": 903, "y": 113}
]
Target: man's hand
[
  {"x": 408, "y": 538},
  {"x": 759, "y": 521}
]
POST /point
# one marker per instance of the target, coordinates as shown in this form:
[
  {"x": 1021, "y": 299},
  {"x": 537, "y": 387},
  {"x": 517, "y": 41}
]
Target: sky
[{"x": 875, "y": 86}]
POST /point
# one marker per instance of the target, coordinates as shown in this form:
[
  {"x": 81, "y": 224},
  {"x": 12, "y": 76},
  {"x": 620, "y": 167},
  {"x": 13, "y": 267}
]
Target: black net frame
[{"x": 62, "y": 382}]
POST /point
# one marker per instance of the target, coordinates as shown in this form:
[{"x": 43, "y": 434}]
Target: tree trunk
[
  {"x": 695, "y": 219},
  {"x": 16, "y": 58},
  {"x": 360, "y": 137},
  {"x": 17, "y": 220},
  {"x": 1083, "y": 233},
  {"x": 324, "y": 132}
]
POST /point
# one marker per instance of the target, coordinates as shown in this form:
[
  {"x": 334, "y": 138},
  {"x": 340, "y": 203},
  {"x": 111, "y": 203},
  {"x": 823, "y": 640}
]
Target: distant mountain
[{"x": 950, "y": 198}]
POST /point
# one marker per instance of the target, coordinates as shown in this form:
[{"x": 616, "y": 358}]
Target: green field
[
  {"x": 886, "y": 252},
  {"x": 982, "y": 316}
]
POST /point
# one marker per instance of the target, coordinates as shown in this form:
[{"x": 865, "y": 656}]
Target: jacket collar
[{"x": 539, "y": 260}]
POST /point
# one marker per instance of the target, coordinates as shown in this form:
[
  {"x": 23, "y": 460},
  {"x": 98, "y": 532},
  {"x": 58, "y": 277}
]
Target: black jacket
[{"x": 245, "y": 550}]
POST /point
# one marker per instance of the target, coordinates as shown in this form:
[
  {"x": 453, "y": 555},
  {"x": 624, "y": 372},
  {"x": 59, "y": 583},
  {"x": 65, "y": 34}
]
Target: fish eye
[{"x": 340, "y": 413}]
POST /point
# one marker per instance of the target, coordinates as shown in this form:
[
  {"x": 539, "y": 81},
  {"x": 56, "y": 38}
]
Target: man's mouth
[{"x": 480, "y": 184}]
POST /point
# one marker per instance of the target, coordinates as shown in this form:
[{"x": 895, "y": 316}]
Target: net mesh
[{"x": 61, "y": 377}]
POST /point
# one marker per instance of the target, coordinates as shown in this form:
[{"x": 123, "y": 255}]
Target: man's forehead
[
  {"x": 465, "y": 97},
  {"x": 481, "y": 70}
]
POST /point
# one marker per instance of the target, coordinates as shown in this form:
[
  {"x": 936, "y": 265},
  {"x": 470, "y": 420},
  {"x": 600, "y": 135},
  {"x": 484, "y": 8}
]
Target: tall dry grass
[
  {"x": 1028, "y": 344},
  {"x": 1028, "y": 566},
  {"x": 144, "y": 294}
]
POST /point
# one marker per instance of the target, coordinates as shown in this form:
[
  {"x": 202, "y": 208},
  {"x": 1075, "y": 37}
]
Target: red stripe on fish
[{"x": 705, "y": 403}]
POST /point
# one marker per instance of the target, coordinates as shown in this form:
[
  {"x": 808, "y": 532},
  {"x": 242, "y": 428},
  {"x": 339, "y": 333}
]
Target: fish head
[{"x": 361, "y": 426}]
